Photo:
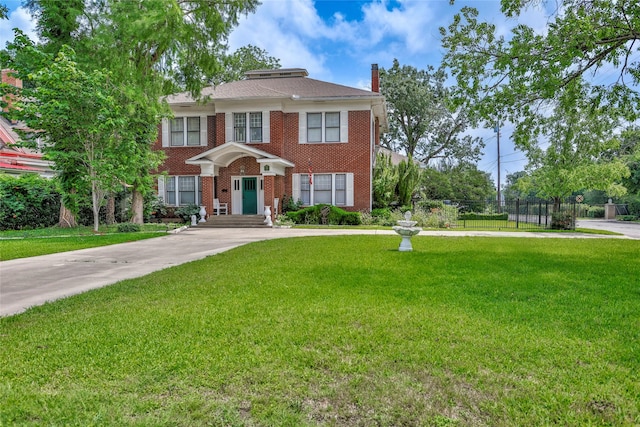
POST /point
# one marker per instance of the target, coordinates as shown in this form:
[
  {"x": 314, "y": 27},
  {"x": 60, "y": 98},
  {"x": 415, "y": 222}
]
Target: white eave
[{"x": 225, "y": 154}]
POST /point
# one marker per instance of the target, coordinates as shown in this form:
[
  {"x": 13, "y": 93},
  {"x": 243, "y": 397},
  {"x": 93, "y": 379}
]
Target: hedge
[
  {"x": 486, "y": 217},
  {"x": 28, "y": 202},
  {"x": 325, "y": 214}
]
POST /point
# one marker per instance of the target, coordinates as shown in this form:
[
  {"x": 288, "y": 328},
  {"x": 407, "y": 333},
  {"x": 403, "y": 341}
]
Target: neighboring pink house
[
  {"x": 276, "y": 133},
  {"x": 15, "y": 160}
]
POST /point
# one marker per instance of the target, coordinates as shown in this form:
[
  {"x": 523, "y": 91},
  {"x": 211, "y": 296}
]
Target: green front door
[{"x": 249, "y": 196}]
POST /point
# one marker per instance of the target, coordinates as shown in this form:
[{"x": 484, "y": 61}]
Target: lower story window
[
  {"x": 329, "y": 188},
  {"x": 182, "y": 190}
]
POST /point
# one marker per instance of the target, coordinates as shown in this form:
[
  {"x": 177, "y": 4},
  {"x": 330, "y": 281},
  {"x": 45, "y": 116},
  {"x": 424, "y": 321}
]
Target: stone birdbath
[{"x": 406, "y": 229}]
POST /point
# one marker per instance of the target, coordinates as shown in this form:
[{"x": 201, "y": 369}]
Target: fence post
[
  {"x": 517, "y": 213},
  {"x": 539, "y": 213},
  {"x": 546, "y": 214}
]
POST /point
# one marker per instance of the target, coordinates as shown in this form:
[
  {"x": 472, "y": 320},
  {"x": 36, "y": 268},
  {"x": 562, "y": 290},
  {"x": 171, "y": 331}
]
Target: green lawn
[
  {"x": 343, "y": 331},
  {"x": 27, "y": 243}
]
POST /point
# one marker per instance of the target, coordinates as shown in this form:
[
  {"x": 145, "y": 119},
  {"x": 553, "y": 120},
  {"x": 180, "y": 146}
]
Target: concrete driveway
[
  {"x": 33, "y": 281},
  {"x": 629, "y": 229}
]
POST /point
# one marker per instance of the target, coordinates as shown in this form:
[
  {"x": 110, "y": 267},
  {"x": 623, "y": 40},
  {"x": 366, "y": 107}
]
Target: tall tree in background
[
  {"x": 520, "y": 77},
  {"x": 422, "y": 123},
  {"x": 456, "y": 181},
  {"x": 579, "y": 135},
  {"x": 246, "y": 58},
  {"x": 151, "y": 48}
]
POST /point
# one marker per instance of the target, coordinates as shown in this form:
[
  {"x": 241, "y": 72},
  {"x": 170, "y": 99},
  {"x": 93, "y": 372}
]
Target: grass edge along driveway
[{"x": 342, "y": 330}]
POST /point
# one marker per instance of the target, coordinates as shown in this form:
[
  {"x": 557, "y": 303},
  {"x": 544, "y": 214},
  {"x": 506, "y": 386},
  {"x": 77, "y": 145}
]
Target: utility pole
[{"x": 497, "y": 131}]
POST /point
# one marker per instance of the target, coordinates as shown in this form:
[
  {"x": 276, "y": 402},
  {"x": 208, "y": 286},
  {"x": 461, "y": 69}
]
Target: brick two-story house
[{"x": 278, "y": 133}]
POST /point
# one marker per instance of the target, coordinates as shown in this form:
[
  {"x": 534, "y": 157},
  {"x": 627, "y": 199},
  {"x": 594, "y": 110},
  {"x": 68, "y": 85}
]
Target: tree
[
  {"x": 512, "y": 188},
  {"x": 409, "y": 176},
  {"x": 151, "y": 49},
  {"x": 385, "y": 180},
  {"x": 520, "y": 77},
  {"x": 579, "y": 136},
  {"x": 422, "y": 122},
  {"x": 456, "y": 181},
  {"x": 80, "y": 118},
  {"x": 246, "y": 58}
]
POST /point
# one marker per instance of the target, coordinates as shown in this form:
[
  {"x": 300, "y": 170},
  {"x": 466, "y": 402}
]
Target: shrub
[
  {"x": 485, "y": 217},
  {"x": 626, "y": 217},
  {"x": 28, "y": 201},
  {"x": 562, "y": 221},
  {"x": 158, "y": 210},
  {"x": 185, "y": 212},
  {"x": 290, "y": 205},
  {"x": 325, "y": 214},
  {"x": 595, "y": 212},
  {"x": 634, "y": 207},
  {"x": 128, "y": 227}
]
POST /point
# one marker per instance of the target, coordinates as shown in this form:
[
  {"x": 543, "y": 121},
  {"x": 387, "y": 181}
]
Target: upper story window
[
  {"x": 247, "y": 124},
  {"x": 185, "y": 131},
  {"x": 324, "y": 127}
]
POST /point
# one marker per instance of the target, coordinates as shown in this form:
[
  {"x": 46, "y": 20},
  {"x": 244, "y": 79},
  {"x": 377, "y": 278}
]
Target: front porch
[{"x": 243, "y": 177}]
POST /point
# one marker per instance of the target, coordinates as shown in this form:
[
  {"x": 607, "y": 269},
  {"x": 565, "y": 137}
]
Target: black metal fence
[{"x": 522, "y": 214}]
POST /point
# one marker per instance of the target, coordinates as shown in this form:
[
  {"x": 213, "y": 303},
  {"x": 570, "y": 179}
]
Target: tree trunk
[
  {"x": 66, "y": 218},
  {"x": 111, "y": 210},
  {"x": 137, "y": 205}
]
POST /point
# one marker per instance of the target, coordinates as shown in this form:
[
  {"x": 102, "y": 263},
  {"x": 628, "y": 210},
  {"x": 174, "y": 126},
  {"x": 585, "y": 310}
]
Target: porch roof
[{"x": 225, "y": 154}]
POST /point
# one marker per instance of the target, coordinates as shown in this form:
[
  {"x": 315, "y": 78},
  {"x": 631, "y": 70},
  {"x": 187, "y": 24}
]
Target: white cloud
[
  {"x": 412, "y": 22},
  {"x": 283, "y": 29},
  {"x": 19, "y": 18}
]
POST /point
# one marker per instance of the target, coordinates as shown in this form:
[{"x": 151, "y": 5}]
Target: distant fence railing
[{"x": 522, "y": 214}]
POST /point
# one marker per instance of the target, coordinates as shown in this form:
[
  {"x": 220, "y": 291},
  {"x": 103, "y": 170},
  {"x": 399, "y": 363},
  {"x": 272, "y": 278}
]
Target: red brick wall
[
  {"x": 352, "y": 157},
  {"x": 174, "y": 163},
  {"x": 325, "y": 157}
]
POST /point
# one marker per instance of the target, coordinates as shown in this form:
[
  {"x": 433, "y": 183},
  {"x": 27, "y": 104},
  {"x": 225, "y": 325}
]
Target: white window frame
[
  {"x": 164, "y": 188},
  {"x": 167, "y": 133},
  {"x": 252, "y": 134},
  {"x": 342, "y": 128},
  {"x": 305, "y": 192}
]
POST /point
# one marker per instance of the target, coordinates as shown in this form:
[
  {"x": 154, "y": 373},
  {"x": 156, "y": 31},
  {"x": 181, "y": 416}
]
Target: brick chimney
[{"x": 375, "y": 78}]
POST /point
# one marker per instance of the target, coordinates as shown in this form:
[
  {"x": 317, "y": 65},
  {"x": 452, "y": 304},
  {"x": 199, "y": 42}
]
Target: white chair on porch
[{"x": 219, "y": 208}]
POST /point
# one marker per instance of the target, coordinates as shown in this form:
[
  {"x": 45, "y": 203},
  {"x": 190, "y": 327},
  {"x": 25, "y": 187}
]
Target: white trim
[
  {"x": 349, "y": 187},
  {"x": 161, "y": 192},
  {"x": 236, "y": 195},
  {"x": 228, "y": 127},
  {"x": 165, "y": 132},
  {"x": 266, "y": 126},
  {"x": 302, "y": 127},
  {"x": 295, "y": 187},
  {"x": 203, "y": 131},
  {"x": 344, "y": 126},
  {"x": 260, "y": 204},
  {"x": 349, "y": 190},
  {"x": 197, "y": 182}
]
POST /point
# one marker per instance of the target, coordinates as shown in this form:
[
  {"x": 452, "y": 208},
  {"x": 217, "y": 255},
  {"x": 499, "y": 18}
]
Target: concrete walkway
[{"x": 33, "y": 281}]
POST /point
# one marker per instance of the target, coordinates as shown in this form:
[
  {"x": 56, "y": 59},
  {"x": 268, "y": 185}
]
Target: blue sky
[{"x": 338, "y": 40}]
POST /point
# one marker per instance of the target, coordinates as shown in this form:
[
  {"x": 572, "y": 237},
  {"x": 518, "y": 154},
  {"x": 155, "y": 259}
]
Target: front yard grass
[
  {"x": 344, "y": 331},
  {"x": 28, "y": 243}
]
